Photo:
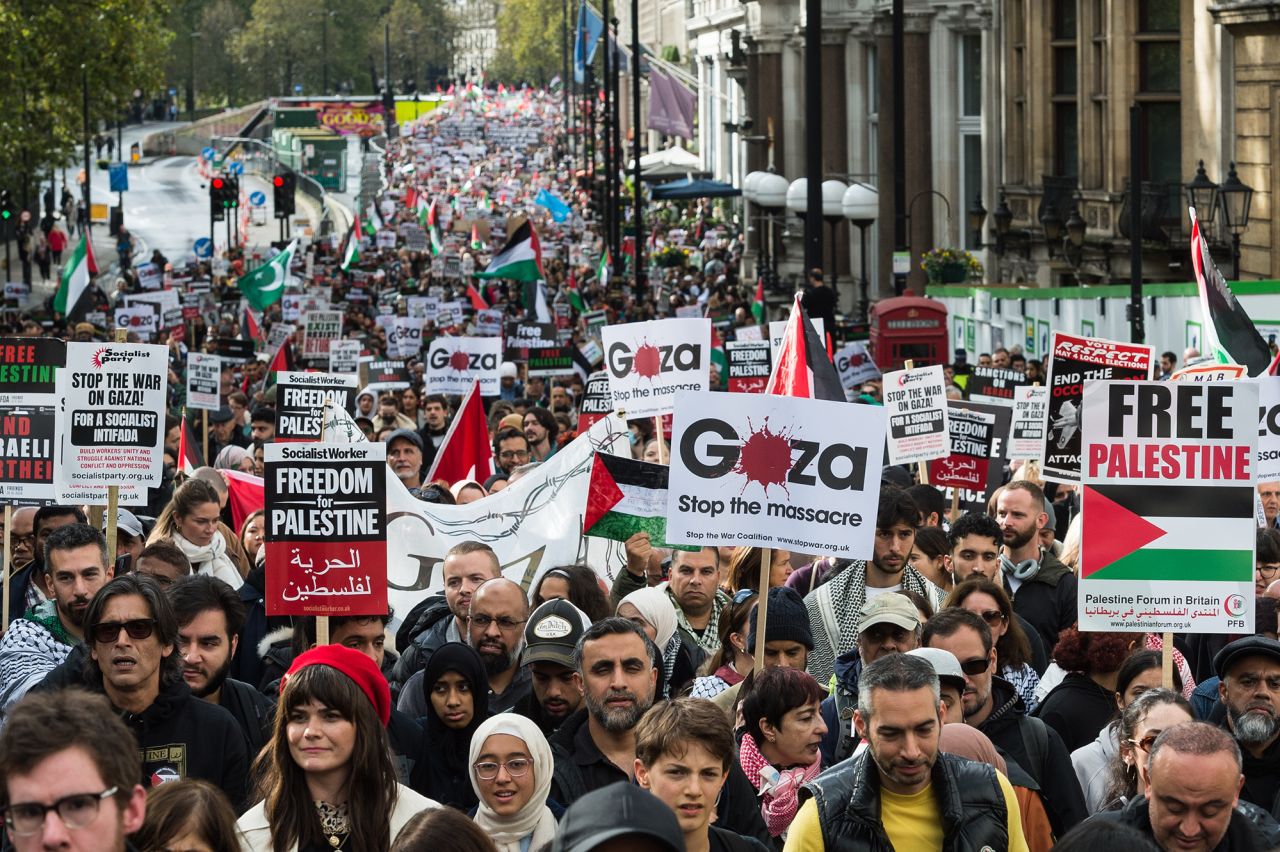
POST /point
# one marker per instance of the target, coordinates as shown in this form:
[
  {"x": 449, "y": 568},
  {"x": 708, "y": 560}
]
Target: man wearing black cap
[
  {"x": 620, "y": 816},
  {"x": 404, "y": 456},
  {"x": 1249, "y": 690},
  {"x": 223, "y": 432},
  {"x": 550, "y": 637}
]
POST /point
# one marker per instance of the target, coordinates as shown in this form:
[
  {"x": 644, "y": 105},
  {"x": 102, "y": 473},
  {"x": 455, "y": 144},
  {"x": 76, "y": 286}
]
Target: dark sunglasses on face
[
  {"x": 976, "y": 666},
  {"x": 108, "y": 631},
  {"x": 992, "y": 617},
  {"x": 1146, "y": 742}
]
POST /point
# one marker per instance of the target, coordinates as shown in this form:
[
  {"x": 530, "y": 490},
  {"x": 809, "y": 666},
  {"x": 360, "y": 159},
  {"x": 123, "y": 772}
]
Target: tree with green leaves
[{"x": 529, "y": 41}]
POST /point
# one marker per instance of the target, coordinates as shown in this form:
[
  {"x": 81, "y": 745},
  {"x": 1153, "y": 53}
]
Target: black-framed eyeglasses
[
  {"x": 514, "y": 454},
  {"x": 504, "y": 623},
  {"x": 109, "y": 631},
  {"x": 75, "y": 811},
  {"x": 976, "y": 666},
  {"x": 742, "y": 596},
  {"x": 516, "y": 767},
  {"x": 1267, "y": 570}
]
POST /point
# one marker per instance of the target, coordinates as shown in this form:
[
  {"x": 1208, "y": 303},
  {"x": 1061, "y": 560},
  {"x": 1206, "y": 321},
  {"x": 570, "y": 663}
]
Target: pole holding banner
[
  {"x": 8, "y": 531},
  {"x": 762, "y": 608},
  {"x": 204, "y": 436},
  {"x": 657, "y": 426},
  {"x": 113, "y": 493},
  {"x": 1166, "y": 661}
]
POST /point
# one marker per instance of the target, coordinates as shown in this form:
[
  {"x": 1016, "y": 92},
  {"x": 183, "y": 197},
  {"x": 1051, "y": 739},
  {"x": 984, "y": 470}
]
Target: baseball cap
[
  {"x": 1249, "y": 646},
  {"x": 553, "y": 632},
  {"x": 222, "y": 415},
  {"x": 944, "y": 663},
  {"x": 126, "y": 522},
  {"x": 408, "y": 435},
  {"x": 891, "y": 608},
  {"x": 618, "y": 810}
]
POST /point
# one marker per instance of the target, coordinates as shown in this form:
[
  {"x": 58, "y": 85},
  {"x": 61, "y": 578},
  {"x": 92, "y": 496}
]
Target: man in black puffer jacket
[
  {"x": 874, "y": 801},
  {"x": 1193, "y": 795}
]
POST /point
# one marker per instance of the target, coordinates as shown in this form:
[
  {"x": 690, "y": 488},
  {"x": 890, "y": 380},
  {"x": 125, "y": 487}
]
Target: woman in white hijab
[
  {"x": 511, "y": 768},
  {"x": 652, "y": 609}
]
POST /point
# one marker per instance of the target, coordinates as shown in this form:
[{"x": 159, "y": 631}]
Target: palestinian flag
[
  {"x": 282, "y": 361},
  {"x": 801, "y": 366},
  {"x": 1140, "y": 532},
  {"x": 535, "y": 301},
  {"x": 624, "y": 497},
  {"x": 603, "y": 268},
  {"x": 520, "y": 259},
  {"x": 573, "y": 294},
  {"x": 77, "y": 275},
  {"x": 373, "y": 218},
  {"x": 1229, "y": 335},
  {"x": 249, "y": 327},
  {"x": 757, "y": 306},
  {"x": 476, "y": 243},
  {"x": 189, "y": 455},
  {"x": 426, "y": 212},
  {"x": 351, "y": 256}
]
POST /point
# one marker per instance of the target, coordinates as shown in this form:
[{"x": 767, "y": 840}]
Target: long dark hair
[
  {"x": 584, "y": 590},
  {"x": 371, "y": 786},
  {"x": 190, "y": 806},
  {"x": 1013, "y": 649},
  {"x": 1122, "y": 783},
  {"x": 733, "y": 620}
]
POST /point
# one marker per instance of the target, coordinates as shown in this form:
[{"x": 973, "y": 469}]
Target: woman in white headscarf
[
  {"x": 652, "y": 609},
  {"x": 511, "y": 769}
]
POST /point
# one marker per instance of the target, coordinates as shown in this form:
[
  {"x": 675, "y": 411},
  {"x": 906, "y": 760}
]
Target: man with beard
[
  {"x": 993, "y": 706},
  {"x": 1249, "y": 689},
  {"x": 210, "y": 615},
  {"x": 550, "y": 637},
  {"x": 1042, "y": 588},
  {"x": 404, "y": 457},
  {"x": 75, "y": 568},
  {"x": 435, "y": 415},
  {"x": 596, "y": 746},
  {"x": 495, "y": 628},
  {"x": 27, "y": 585},
  {"x": 901, "y": 792},
  {"x": 834, "y": 607}
]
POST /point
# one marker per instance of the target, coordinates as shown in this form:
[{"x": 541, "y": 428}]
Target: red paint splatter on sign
[
  {"x": 765, "y": 458},
  {"x": 459, "y": 361},
  {"x": 647, "y": 361}
]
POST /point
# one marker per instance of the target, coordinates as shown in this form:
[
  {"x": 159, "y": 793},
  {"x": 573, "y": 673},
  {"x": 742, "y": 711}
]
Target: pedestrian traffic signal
[
  {"x": 283, "y": 188},
  {"x": 6, "y": 206}
]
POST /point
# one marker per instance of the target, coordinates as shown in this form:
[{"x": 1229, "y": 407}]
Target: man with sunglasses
[
  {"x": 70, "y": 775},
  {"x": 75, "y": 568},
  {"x": 993, "y": 706},
  {"x": 132, "y": 634}
]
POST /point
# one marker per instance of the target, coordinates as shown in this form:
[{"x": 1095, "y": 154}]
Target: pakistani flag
[
  {"x": 76, "y": 276},
  {"x": 520, "y": 259},
  {"x": 265, "y": 285},
  {"x": 351, "y": 256},
  {"x": 624, "y": 497},
  {"x": 604, "y": 267}
]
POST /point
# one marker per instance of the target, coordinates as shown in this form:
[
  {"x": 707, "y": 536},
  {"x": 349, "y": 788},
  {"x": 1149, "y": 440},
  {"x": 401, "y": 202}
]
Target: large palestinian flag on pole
[
  {"x": 625, "y": 497},
  {"x": 1229, "y": 335},
  {"x": 520, "y": 259}
]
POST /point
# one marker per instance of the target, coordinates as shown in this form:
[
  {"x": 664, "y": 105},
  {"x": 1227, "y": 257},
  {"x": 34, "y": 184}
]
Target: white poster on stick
[
  {"x": 650, "y": 362},
  {"x": 773, "y": 471},
  {"x": 203, "y": 374},
  {"x": 455, "y": 363},
  {"x": 915, "y": 404}
]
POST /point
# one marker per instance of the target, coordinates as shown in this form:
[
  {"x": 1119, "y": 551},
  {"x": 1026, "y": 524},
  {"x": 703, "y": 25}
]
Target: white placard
[
  {"x": 855, "y": 365},
  {"x": 650, "y": 362},
  {"x": 404, "y": 337},
  {"x": 320, "y": 329},
  {"x": 748, "y": 333},
  {"x": 112, "y": 431},
  {"x": 141, "y": 320},
  {"x": 203, "y": 374},
  {"x": 344, "y": 356},
  {"x": 455, "y": 363},
  {"x": 772, "y": 471},
  {"x": 778, "y": 330},
  {"x": 1030, "y": 413},
  {"x": 915, "y": 405}
]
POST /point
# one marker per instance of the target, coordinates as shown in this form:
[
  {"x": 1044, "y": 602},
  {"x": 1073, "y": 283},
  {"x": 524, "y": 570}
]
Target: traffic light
[
  {"x": 217, "y": 189},
  {"x": 230, "y": 193},
  {"x": 283, "y": 187}
]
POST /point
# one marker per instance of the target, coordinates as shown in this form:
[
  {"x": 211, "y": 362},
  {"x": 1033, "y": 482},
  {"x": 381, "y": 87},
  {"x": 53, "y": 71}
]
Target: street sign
[
  {"x": 257, "y": 199},
  {"x": 235, "y": 167},
  {"x": 207, "y": 154},
  {"x": 118, "y": 174},
  {"x": 203, "y": 247},
  {"x": 902, "y": 263}
]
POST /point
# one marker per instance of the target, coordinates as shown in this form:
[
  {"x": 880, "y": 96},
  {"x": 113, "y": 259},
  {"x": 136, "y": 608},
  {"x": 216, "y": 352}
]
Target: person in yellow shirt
[{"x": 901, "y": 793}]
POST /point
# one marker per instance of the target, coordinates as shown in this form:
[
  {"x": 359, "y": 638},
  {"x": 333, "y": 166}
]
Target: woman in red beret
[{"x": 326, "y": 779}]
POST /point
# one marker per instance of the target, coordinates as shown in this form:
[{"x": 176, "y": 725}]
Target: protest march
[{"x": 579, "y": 537}]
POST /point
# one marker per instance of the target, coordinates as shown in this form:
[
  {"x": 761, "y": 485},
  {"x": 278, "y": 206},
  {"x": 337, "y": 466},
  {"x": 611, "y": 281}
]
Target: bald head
[{"x": 496, "y": 625}]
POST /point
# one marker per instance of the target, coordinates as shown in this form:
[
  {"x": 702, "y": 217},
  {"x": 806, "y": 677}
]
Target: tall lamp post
[
  {"x": 833, "y": 211},
  {"x": 860, "y": 205},
  {"x": 797, "y": 202},
  {"x": 1234, "y": 197},
  {"x": 771, "y": 197}
]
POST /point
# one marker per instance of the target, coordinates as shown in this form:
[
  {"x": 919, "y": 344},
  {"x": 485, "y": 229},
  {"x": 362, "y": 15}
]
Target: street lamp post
[
  {"x": 1234, "y": 196},
  {"x": 833, "y": 211},
  {"x": 771, "y": 196},
  {"x": 861, "y": 205}
]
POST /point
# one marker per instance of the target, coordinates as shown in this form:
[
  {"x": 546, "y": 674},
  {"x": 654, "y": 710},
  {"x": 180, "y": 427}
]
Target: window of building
[
  {"x": 970, "y": 124},
  {"x": 1064, "y": 48},
  {"x": 1015, "y": 152},
  {"x": 1159, "y": 92}
]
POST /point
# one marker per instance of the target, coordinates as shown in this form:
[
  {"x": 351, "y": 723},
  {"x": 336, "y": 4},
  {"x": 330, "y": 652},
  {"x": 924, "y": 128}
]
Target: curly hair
[{"x": 1086, "y": 651}]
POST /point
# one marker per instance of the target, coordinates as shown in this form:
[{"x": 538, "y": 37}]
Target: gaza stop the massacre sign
[
  {"x": 326, "y": 534},
  {"x": 770, "y": 471},
  {"x": 1168, "y": 531},
  {"x": 454, "y": 364},
  {"x": 650, "y": 362}
]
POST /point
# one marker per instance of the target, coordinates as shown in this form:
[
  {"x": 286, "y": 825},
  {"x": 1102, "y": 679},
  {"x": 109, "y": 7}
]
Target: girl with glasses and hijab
[{"x": 511, "y": 768}]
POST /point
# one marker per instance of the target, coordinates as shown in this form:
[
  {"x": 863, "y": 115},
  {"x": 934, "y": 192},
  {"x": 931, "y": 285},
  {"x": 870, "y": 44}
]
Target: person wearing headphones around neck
[{"x": 1043, "y": 589}]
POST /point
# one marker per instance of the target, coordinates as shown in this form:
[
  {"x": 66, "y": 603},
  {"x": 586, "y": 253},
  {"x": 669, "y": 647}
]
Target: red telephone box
[{"x": 908, "y": 328}]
